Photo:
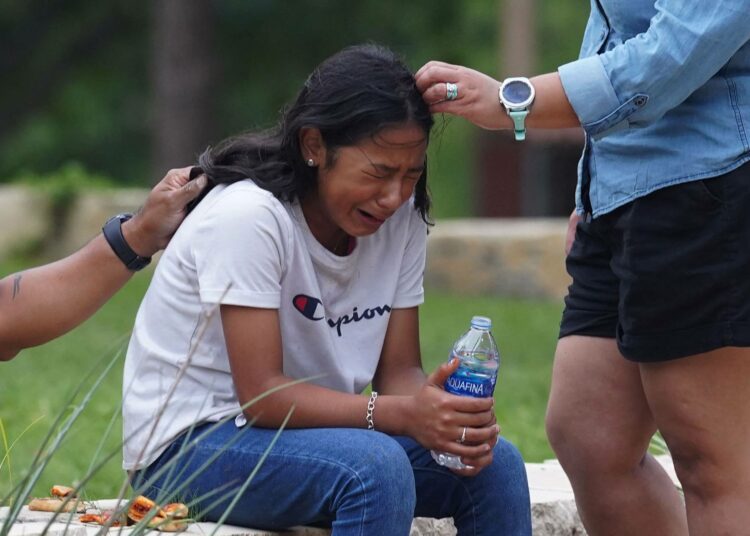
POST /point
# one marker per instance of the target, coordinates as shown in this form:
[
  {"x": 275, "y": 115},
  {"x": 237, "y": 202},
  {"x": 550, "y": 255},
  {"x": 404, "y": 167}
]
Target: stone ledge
[
  {"x": 553, "y": 513},
  {"x": 549, "y": 518}
]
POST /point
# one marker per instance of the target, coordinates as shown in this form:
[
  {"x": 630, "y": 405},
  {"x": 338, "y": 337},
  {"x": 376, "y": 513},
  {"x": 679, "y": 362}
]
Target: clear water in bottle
[{"x": 476, "y": 375}]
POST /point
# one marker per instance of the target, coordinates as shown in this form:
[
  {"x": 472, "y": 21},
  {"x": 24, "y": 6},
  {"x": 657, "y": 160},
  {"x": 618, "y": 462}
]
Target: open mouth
[{"x": 369, "y": 218}]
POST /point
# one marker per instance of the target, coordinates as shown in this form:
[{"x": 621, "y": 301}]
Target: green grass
[
  {"x": 38, "y": 382},
  {"x": 34, "y": 386},
  {"x": 526, "y": 334}
]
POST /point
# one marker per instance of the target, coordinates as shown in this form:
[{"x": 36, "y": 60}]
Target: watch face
[{"x": 516, "y": 92}]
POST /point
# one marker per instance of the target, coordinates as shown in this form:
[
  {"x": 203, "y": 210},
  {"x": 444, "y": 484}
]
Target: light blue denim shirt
[{"x": 662, "y": 89}]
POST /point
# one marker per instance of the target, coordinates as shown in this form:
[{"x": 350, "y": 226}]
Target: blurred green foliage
[
  {"x": 78, "y": 85},
  {"x": 63, "y": 185}
]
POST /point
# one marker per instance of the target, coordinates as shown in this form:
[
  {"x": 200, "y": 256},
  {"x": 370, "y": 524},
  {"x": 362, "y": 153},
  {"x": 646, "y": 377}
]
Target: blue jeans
[{"x": 355, "y": 481}]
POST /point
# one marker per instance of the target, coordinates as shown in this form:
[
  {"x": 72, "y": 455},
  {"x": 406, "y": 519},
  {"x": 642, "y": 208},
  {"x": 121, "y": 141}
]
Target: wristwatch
[
  {"x": 517, "y": 95},
  {"x": 113, "y": 234}
]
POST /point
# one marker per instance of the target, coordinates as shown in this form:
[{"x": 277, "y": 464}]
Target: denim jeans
[{"x": 355, "y": 481}]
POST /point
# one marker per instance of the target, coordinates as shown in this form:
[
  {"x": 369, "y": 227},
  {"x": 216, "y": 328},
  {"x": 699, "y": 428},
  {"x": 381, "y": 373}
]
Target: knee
[
  {"x": 497, "y": 497},
  {"x": 702, "y": 473},
  {"x": 560, "y": 432},
  {"x": 385, "y": 475},
  {"x": 508, "y": 460},
  {"x": 586, "y": 449},
  {"x": 567, "y": 441},
  {"x": 506, "y": 476}
]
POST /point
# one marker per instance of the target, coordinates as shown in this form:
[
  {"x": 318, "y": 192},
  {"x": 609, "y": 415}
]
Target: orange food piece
[
  {"x": 62, "y": 491},
  {"x": 99, "y": 519},
  {"x": 53, "y": 504},
  {"x": 92, "y": 518},
  {"x": 167, "y": 519}
]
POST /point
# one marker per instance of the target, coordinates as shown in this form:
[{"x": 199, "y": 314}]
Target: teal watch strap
[{"x": 519, "y": 123}]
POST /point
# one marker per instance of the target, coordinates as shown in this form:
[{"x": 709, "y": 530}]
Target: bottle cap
[{"x": 481, "y": 322}]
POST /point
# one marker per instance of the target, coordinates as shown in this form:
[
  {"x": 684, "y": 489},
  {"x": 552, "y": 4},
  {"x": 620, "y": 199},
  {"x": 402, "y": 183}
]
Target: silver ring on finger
[
  {"x": 463, "y": 436},
  {"x": 451, "y": 91}
]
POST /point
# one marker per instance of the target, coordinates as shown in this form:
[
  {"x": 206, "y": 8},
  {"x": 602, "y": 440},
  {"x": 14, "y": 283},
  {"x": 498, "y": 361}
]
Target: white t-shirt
[{"x": 242, "y": 246}]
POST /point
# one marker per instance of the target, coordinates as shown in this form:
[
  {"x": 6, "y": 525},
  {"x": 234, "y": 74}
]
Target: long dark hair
[{"x": 352, "y": 95}]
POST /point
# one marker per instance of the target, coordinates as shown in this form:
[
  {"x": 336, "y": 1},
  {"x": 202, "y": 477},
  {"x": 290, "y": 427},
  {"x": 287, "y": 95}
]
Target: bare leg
[
  {"x": 599, "y": 424},
  {"x": 702, "y": 407}
]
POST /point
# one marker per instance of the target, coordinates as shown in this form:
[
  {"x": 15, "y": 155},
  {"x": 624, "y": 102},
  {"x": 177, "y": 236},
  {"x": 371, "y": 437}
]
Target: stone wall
[
  {"x": 91, "y": 210},
  {"x": 25, "y": 218},
  {"x": 521, "y": 258}
]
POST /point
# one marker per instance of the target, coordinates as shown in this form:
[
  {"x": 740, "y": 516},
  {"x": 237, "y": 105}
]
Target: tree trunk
[
  {"x": 517, "y": 38},
  {"x": 184, "y": 82}
]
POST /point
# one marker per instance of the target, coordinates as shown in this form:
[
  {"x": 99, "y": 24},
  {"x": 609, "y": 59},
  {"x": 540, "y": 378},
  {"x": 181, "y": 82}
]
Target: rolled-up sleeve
[
  {"x": 636, "y": 82},
  {"x": 410, "y": 290},
  {"x": 240, "y": 249}
]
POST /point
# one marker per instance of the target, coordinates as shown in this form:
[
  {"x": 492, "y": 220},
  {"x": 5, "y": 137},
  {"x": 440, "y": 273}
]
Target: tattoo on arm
[{"x": 17, "y": 285}]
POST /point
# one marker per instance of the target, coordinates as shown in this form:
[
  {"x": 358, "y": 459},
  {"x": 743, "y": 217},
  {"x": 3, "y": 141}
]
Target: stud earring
[{"x": 310, "y": 162}]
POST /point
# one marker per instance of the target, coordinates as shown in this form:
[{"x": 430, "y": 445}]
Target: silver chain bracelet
[{"x": 370, "y": 409}]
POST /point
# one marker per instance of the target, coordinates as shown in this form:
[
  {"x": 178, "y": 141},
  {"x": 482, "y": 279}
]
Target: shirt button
[{"x": 640, "y": 101}]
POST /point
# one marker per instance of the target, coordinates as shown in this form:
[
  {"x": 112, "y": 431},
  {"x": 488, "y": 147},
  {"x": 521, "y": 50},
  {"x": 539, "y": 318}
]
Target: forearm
[
  {"x": 407, "y": 382},
  {"x": 431, "y": 416},
  {"x": 551, "y": 107},
  {"x": 478, "y": 99},
  {"x": 320, "y": 407},
  {"x": 42, "y": 303}
]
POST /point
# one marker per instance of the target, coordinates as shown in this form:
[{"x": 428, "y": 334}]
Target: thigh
[
  {"x": 702, "y": 408},
  {"x": 597, "y": 411},
  {"x": 297, "y": 477}
]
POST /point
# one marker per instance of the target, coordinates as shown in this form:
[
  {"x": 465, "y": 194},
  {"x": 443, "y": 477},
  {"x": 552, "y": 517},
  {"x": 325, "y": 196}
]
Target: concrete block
[
  {"x": 557, "y": 518},
  {"x": 521, "y": 258},
  {"x": 518, "y": 258},
  {"x": 89, "y": 212},
  {"x": 25, "y": 217}
]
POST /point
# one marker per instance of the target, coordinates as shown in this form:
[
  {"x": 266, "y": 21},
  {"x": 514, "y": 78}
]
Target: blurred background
[
  {"x": 96, "y": 95},
  {"x": 126, "y": 90}
]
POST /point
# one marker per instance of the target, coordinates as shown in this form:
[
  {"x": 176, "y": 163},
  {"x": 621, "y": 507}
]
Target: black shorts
[{"x": 667, "y": 275}]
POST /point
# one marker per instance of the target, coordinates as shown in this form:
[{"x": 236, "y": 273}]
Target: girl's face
[{"x": 365, "y": 183}]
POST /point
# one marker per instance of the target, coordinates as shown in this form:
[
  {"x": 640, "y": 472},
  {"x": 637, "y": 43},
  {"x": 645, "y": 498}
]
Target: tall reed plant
[{"x": 177, "y": 484}]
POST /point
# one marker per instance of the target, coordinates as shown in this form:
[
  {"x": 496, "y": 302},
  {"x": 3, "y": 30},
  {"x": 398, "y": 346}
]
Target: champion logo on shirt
[{"x": 310, "y": 308}]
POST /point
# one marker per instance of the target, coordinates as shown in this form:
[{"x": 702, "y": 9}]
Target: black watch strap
[{"x": 113, "y": 234}]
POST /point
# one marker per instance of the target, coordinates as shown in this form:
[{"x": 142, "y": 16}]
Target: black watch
[{"x": 113, "y": 234}]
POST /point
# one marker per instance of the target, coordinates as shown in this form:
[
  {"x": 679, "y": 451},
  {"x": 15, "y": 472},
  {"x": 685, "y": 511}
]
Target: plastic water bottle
[{"x": 476, "y": 374}]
